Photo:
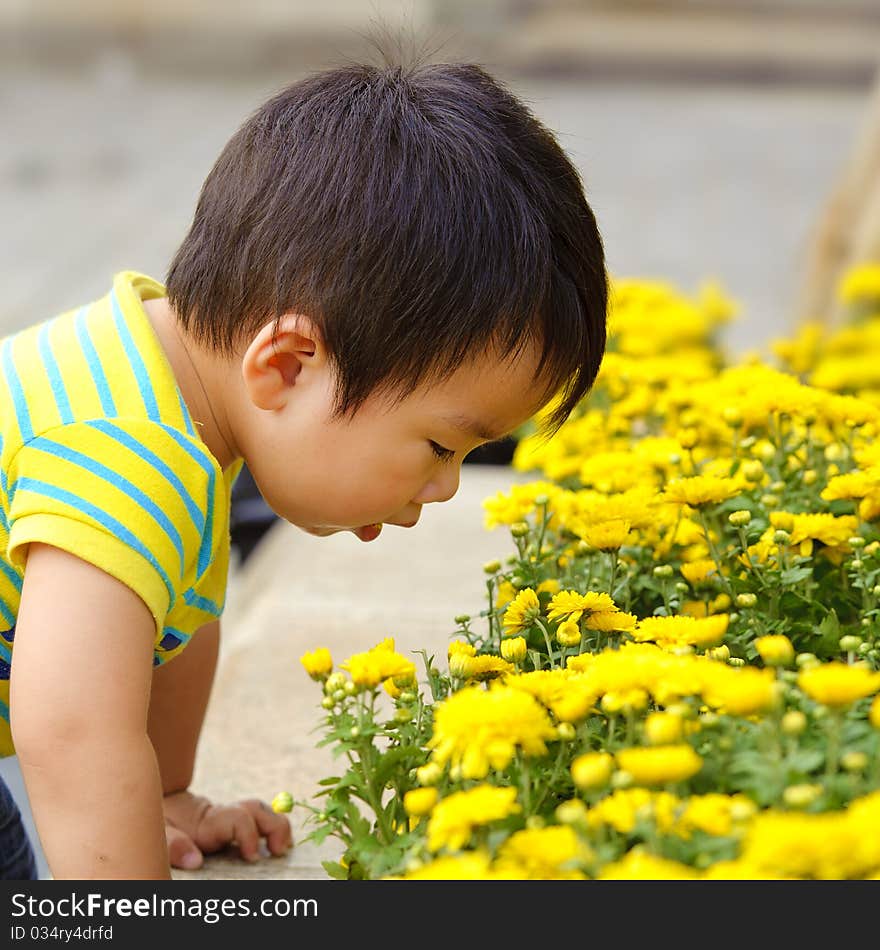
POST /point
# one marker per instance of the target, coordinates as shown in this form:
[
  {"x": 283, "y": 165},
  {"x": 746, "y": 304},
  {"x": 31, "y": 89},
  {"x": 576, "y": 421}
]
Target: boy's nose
[{"x": 441, "y": 488}]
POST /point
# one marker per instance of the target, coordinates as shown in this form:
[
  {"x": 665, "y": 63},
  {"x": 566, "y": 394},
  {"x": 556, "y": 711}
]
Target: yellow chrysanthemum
[
  {"x": 318, "y": 663},
  {"x": 838, "y": 684},
  {"x": 592, "y": 770},
  {"x": 571, "y": 605},
  {"x": 469, "y": 866},
  {"x": 482, "y": 668},
  {"x": 638, "y": 865},
  {"x": 700, "y": 491},
  {"x": 680, "y": 630},
  {"x": 420, "y": 801},
  {"x": 775, "y": 649},
  {"x": 544, "y": 854},
  {"x": 607, "y": 535},
  {"x": 521, "y": 613},
  {"x": 369, "y": 669},
  {"x": 661, "y": 764},
  {"x": 477, "y": 729},
  {"x": 454, "y": 818}
]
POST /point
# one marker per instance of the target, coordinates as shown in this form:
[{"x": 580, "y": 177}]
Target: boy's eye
[{"x": 440, "y": 452}]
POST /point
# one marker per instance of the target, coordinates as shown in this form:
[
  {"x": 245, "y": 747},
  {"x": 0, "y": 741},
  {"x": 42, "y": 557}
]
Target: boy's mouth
[{"x": 368, "y": 532}]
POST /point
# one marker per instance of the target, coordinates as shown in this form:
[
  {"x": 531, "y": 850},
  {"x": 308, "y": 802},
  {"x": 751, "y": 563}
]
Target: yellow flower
[
  {"x": 514, "y": 649},
  {"x": 455, "y": 817},
  {"x": 381, "y": 662},
  {"x": 592, "y": 770},
  {"x": 661, "y": 764},
  {"x": 481, "y": 668},
  {"x": 696, "y": 572},
  {"x": 679, "y": 630},
  {"x": 607, "y": 535},
  {"x": 568, "y": 633},
  {"x": 544, "y": 854},
  {"x": 469, "y": 866},
  {"x": 739, "y": 692},
  {"x": 420, "y": 801},
  {"x": 874, "y": 713},
  {"x": 638, "y": 865},
  {"x": 570, "y": 605},
  {"x": 838, "y": 684},
  {"x": 860, "y": 283},
  {"x": 551, "y": 586},
  {"x": 318, "y": 663},
  {"x": 522, "y": 613},
  {"x": 663, "y": 728},
  {"x": 506, "y": 593},
  {"x": 610, "y": 620},
  {"x": 478, "y": 729},
  {"x": 699, "y": 491},
  {"x": 775, "y": 649}
]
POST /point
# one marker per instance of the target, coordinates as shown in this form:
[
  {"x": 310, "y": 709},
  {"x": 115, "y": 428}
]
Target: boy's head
[{"x": 378, "y": 247}]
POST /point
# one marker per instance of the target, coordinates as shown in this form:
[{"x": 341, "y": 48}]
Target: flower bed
[{"x": 676, "y": 672}]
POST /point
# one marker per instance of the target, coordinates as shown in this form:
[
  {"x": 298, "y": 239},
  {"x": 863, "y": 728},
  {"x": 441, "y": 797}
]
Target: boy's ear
[{"x": 276, "y": 355}]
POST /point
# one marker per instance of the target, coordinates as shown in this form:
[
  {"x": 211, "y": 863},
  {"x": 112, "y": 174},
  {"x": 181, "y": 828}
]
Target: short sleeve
[{"x": 129, "y": 496}]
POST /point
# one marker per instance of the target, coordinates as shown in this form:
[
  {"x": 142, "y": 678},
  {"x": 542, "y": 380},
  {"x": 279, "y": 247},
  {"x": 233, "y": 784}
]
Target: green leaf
[
  {"x": 335, "y": 870},
  {"x": 389, "y": 762},
  {"x": 794, "y": 575}
]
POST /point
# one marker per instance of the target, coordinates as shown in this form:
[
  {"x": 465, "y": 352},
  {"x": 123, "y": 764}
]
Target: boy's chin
[{"x": 368, "y": 532}]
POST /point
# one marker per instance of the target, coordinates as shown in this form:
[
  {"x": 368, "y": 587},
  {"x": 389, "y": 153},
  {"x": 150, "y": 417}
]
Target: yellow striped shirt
[{"x": 100, "y": 457}]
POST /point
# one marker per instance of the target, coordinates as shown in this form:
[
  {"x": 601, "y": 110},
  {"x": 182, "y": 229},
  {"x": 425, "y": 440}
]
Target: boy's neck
[{"x": 194, "y": 369}]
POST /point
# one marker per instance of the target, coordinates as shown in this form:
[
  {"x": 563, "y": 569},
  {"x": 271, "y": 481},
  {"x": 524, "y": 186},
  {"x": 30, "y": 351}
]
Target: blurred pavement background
[{"x": 708, "y": 134}]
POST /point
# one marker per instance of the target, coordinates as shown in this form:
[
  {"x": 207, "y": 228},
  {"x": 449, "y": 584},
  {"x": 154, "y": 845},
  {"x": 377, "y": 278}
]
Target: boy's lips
[{"x": 368, "y": 532}]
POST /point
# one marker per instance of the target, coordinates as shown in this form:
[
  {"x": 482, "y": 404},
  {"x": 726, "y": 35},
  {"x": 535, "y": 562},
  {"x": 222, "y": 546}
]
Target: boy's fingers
[
  {"x": 244, "y": 832},
  {"x": 275, "y": 827},
  {"x": 182, "y": 850}
]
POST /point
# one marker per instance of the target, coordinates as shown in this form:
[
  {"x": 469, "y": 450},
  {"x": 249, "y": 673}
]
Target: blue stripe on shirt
[
  {"x": 205, "y": 549},
  {"x": 94, "y": 361},
  {"x": 54, "y": 374},
  {"x": 117, "y": 481},
  {"x": 203, "y": 603},
  {"x": 136, "y": 360},
  {"x": 187, "y": 419},
  {"x": 107, "y": 521},
  {"x": 8, "y": 615},
  {"x": 22, "y": 413},
  {"x": 124, "y": 438}
]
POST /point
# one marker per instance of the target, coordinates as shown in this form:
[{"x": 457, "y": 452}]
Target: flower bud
[
  {"x": 621, "y": 779},
  {"x": 780, "y": 536},
  {"x": 850, "y": 643},
  {"x": 799, "y": 796},
  {"x": 753, "y": 471},
  {"x": 403, "y": 715},
  {"x": 542, "y": 499},
  {"x": 681, "y": 587},
  {"x": 568, "y": 633},
  {"x": 777, "y": 487},
  {"x": 333, "y": 682},
  {"x": 355, "y": 732},
  {"x": 806, "y": 660},
  {"x": 688, "y": 438},
  {"x": 864, "y": 648},
  {"x": 519, "y": 529},
  {"x": 663, "y": 728},
  {"x": 746, "y": 600},
  {"x": 461, "y": 618},
  {"x": 810, "y": 476},
  {"x": 857, "y": 541},
  {"x": 407, "y": 697},
  {"x": 856, "y": 563},
  {"x": 419, "y": 801},
  {"x": 349, "y": 689},
  {"x": 722, "y": 653},
  {"x": 733, "y": 616},
  {"x": 535, "y": 823},
  {"x": 592, "y": 770},
  {"x": 327, "y": 703},
  {"x": 733, "y": 416},
  {"x": 770, "y": 500},
  {"x": 429, "y": 774},
  {"x": 663, "y": 570},
  {"x": 572, "y": 812},
  {"x": 794, "y": 723},
  {"x": 775, "y": 649},
  {"x": 740, "y": 518},
  {"x": 582, "y": 549},
  {"x": 492, "y": 567},
  {"x": 854, "y": 761},
  {"x": 865, "y": 622},
  {"x": 736, "y": 661},
  {"x": 566, "y": 731},
  {"x": 282, "y": 802},
  {"x": 514, "y": 649},
  {"x": 747, "y": 442}
]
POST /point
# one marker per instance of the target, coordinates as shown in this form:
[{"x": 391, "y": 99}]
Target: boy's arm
[
  {"x": 181, "y": 689},
  {"x": 80, "y": 691}
]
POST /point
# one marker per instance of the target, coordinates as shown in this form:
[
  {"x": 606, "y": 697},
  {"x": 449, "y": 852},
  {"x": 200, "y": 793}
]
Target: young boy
[{"x": 387, "y": 267}]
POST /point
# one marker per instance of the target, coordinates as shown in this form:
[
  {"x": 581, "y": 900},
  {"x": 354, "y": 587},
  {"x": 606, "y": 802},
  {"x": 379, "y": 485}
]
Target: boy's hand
[{"x": 194, "y": 827}]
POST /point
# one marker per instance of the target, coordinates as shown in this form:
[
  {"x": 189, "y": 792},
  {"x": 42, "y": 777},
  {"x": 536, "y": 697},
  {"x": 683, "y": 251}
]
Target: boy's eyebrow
[{"x": 471, "y": 426}]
